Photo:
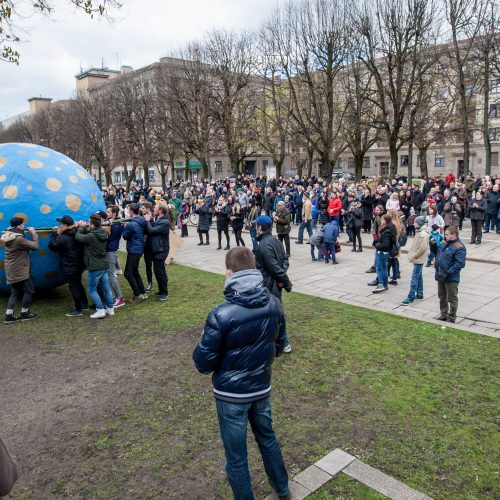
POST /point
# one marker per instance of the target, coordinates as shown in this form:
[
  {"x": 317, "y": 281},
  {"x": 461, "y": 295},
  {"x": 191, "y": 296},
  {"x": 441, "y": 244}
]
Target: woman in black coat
[
  {"x": 222, "y": 212},
  {"x": 355, "y": 222},
  {"x": 203, "y": 221},
  {"x": 476, "y": 211},
  {"x": 237, "y": 222},
  {"x": 367, "y": 202}
]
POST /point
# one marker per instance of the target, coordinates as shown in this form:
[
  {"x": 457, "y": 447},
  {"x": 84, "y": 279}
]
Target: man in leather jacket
[{"x": 241, "y": 338}]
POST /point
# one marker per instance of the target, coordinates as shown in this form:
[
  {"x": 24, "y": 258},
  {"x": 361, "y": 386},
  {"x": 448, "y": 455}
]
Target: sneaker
[
  {"x": 145, "y": 296},
  {"x": 110, "y": 311},
  {"x": 201, "y": 243},
  {"x": 419, "y": 298},
  {"x": 138, "y": 298},
  {"x": 119, "y": 302},
  {"x": 74, "y": 313},
  {"x": 288, "y": 348},
  {"x": 10, "y": 318},
  {"x": 371, "y": 270},
  {"x": 451, "y": 320},
  {"x": 149, "y": 287},
  {"x": 119, "y": 271},
  {"x": 219, "y": 248},
  {"x": 99, "y": 313},
  {"x": 373, "y": 283},
  {"x": 442, "y": 317},
  {"x": 314, "y": 259},
  {"x": 379, "y": 289},
  {"x": 299, "y": 243},
  {"x": 407, "y": 301},
  {"x": 27, "y": 316},
  {"x": 393, "y": 282},
  {"x": 85, "y": 307},
  {"x": 206, "y": 243},
  {"x": 428, "y": 264},
  {"x": 163, "y": 298}
]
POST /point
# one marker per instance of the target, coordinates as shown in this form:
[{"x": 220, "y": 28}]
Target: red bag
[{"x": 337, "y": 247}]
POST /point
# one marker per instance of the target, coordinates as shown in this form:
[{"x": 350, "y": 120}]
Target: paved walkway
[{"x": 479, "y": 293}]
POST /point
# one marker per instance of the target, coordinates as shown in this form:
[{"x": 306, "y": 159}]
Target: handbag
[
  {"x": 8, "y": 471},
  {"x": 338, "y": 249}
]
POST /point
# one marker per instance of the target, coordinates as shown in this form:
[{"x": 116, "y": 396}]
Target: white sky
[{"x": 145, "y": 30}]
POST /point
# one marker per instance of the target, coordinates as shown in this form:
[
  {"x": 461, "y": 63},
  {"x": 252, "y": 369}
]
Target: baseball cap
[
  {"x": 16, "y": 221},
  {"x": 66, "y": 219},
  {"x": 264, "y": 221}
]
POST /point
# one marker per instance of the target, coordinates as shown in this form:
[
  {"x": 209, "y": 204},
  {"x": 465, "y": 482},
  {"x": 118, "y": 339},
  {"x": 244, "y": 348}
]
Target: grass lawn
[{"x": 114, "y": 408}]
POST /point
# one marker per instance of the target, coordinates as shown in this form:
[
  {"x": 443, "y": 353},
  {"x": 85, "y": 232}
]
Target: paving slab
[
  {"x": 297, "y": 492},
  {"x": 381, "y": 482},
  {"x": 335, "y": 462},
  {"x": 313, "y": 478}
]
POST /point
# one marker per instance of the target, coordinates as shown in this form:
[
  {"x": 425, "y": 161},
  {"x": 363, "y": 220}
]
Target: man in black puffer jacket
[
  {"x": 63, "y": 241},
  {"x": 158, "y": 234},
  {"x": 240, "y": 340}
]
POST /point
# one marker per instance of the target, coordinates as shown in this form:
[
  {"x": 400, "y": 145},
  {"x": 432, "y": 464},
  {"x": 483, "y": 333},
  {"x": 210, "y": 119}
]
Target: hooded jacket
[
  {"x": 133, "y": 234},
  {"x": 241, "y": 338},
  {"x": 17, "y": 259},
  {"x": 94, "y": 248},
  {"x": 450, "y": 259},
  {"x": 419, "y": 247},
  {"x": 70, "y": 251},
  {"x": 387, "y": 238}
]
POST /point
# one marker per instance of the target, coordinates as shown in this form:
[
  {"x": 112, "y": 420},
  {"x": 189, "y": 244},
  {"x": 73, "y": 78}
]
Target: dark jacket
[
  {"x": 94, "y": 248},
  {"x": 133, "y": 234},
  {"x": 223, "y": 217},
  {"x": 70, "y": 251},
  {"x": 114, "y": 237},
  {"x": 492, "y": 202},
  {"x": 272, "y": 261},
  {"x": 241, "y": 338},
  {"x": 158, "y": 235},
  {"x": 331, "y": 232},
  {"x": 354, "y": 218},
  {"x": 17, "y": 259},
  {"x": 238, "y": 221},
  {"x": 476, "y": 213},
  {"x": 452, "y": 213},
  {"x": 203, "y": 218},
  {"x": 283, "y": 219},
  {"x": 450, "y": 259},
  {"x": 268, "y": 203},
  {"x": 367, "y": 204},
  {"x": 417, "y": 198},
  {"x": 387, "y": 238}
]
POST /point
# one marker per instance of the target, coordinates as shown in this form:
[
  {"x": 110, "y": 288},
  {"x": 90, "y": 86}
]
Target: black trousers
[
  {"x": 21, "y": 291},
  {"x": 148, "y": 260},
  {"x": 285, "y": 238},
  {"x": 201, "y": 233},
  {"x": 367, "y": 225},
  {"x": 477, "y": 231},
  {"x": 224, "y": 230},
  {"x": 77, "y": 290},
  {"x": 356, "y": 235},
  {"x": 132, "y": 274},
  {"x": 237, "y": 236},
  {"x": 160, "y": 272}
]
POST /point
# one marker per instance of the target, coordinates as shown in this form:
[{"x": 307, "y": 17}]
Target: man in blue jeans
[{"x": 241, "y": 338}]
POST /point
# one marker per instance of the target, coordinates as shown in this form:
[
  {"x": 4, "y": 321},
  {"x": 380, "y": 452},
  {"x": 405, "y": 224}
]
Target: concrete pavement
[{"x": 479, "y": 292}]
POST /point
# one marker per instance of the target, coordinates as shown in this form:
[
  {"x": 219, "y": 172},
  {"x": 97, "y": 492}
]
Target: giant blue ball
[{"x": 40, "y": 185}]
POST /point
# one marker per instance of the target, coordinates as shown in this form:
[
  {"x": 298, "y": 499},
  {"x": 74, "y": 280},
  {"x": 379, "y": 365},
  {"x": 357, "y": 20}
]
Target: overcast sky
[{"x": 54, "y": 49}]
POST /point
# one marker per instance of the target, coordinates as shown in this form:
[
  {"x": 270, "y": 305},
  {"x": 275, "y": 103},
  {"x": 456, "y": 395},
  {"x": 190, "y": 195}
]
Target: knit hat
[{"x": 420, "y": 221}]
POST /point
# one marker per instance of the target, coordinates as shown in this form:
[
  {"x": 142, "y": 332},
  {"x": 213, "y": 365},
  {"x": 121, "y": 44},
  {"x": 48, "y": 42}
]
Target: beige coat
[
  {"x": 419, "y": 247},
  {"x": 17, "y": 259},
  {"x": 307, "y": 208}
]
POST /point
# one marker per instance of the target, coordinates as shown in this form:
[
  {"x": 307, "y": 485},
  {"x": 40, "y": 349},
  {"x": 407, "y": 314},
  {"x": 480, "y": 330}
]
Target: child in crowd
[
  {"x": 435, "y": 239},
  {"x": 410, "y": 225},
  {"x": 330, "y": 235}
]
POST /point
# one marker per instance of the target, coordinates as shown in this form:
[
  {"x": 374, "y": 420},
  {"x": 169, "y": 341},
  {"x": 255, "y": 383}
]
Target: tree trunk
[
  {"x": 300, "y": 166},
  {"x": 107, "y": 176},
  {"x": 358, "y": 166},
  {"x": 486, "y": 116},
  {"x": 130, "y": 177},
  {"x": 310, "y": 159},
  {"x": 186, "y": 168},
  {"x": 410, "y": 162},
  {"x": 205, "y": 169},
  {"x": 422, "y": 154},
  {"x": 393, "y": 168}
]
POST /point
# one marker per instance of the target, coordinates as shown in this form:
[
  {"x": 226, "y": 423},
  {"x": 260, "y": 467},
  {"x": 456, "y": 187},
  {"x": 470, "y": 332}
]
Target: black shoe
[
  {"x": 219, "y": 248},
  {"x": 451, "y": 320},
  {"x": 200, "y": 243},
  {"x": 85, "y": 307},
  {"x": 359, "y": 250},
  {"x": 74, "y": 313},
  {"x": 478, "y": 242},
  {"x": 472, "y": 242},
  {"x": 353, "y": 250},
  {"x": 314, "y": 259},
  {"x": 371, "y": 270},
  {"x": 442, "y": 317},
  {"x": 26, "y": 316},
  {"x": 486, "y": 231},
  {"x": 393, "y": 282},
  {"x": 373, "y": 283},
  {"x": 206, "y": 243},
  {"x": 10, "y": 318},
  {"x": 299, "y": 243},
  {"x": 227, "y": 248},
  {"x": 428, "y": 264}
]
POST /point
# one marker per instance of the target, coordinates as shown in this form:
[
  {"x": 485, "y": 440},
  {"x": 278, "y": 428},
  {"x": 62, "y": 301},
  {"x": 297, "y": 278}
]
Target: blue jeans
[
  {"x": 318, "y": 247},
  {"x": 253, "y": 235},
  {"x": 490, "y": 221},
  {"x": 329, "y": 247},
  {"x": 381, "y": 266},
  {"x": 233, "y": 420},
  {"x": 94, "y": 278},
  {"x": 417, "y": 283},
  {"x": 305, "y": 225}
]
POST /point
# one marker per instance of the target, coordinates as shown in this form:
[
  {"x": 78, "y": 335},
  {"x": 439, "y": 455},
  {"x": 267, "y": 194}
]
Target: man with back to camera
[
  {"x": 450, "y": 259},
  {"x": 241, "y": 338},
  {"x": 17, "y": 268}
]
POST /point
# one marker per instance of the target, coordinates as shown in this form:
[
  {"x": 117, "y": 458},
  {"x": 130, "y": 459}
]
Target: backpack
[{"x": 403, "y": 238}]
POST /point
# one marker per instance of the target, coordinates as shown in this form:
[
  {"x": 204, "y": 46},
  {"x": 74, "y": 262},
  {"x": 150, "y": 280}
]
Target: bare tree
[{"x": 396, "y": 37}]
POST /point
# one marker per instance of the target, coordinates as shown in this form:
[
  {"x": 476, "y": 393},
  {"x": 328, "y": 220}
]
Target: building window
[
  {"x": 265, "y": 163},
  {"x": 151, "y": 173},
  {"x": 404, "y": 160},
  {"x": 118, "y": 177},
  {"x": 218, "y": 166},
  {"x": 495, "y": 87},
  {"x": 439, "y": 161},
  {"x": 494, "y": 159},
  {"x": 366, "y": 162},
  {"x": 338, "y": 164},
  {"x": 494, "y": 134},
  {"x": 494, "y": 111},
  {"x": 350, "y": 162}
]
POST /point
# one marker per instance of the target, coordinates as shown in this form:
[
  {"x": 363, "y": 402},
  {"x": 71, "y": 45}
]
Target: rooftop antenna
[
  {"x": 102, "y": 63},
  {"x": 117, "y": 54}
]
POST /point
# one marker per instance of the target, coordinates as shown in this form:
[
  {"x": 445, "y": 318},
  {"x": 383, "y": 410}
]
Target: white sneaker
[
  {"x": 98, "y": 314},
  {"x": 110, "y": 311},
  {"x": 288, "y": 348}
]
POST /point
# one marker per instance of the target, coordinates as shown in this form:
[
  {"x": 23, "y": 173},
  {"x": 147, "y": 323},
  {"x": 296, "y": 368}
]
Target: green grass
[
  {"x": 417, "y": 401},
  {"x": 343, "y": 487}
]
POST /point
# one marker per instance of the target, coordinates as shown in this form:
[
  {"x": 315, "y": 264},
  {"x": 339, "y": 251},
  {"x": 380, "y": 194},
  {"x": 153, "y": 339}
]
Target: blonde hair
[{"x": 396, "y": 220}]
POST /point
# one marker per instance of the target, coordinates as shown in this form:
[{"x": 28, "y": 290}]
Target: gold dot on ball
[
  {"x": 10, "y": 192},
  {"x": 53, "y": 184},
  {"x": 94, "y": 197},
  {"x": 35, "y": 164},
  {"x": 1, "y": 216},
  {"x": 73, "y": 202},
  {"x": 22, "y": 216},
  {"x": 64, "y": 162},
  {"x": 81, "y": 173},
  {"x": 73, "y": 179},
  {"x": 3, "y": 178},
  {"x": 43, "y": 154},
  {"x": 45, "y": 209},
  {"x": 29, "y": 188},
  {"x": 21, "y": 152},
  {"x": 3, "y": 161}
]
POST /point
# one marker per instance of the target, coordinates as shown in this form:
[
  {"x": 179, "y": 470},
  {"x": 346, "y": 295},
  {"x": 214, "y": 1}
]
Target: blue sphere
[{"x": 40, "y": 185}]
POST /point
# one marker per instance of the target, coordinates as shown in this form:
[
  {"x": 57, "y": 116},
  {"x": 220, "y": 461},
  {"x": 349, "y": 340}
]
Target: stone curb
[{"x": 315, "y": 476}]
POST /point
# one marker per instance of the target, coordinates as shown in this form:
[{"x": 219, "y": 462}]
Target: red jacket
[
  {"x": 450, "y": 178},
  {"x": 334, "y": 206}
]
